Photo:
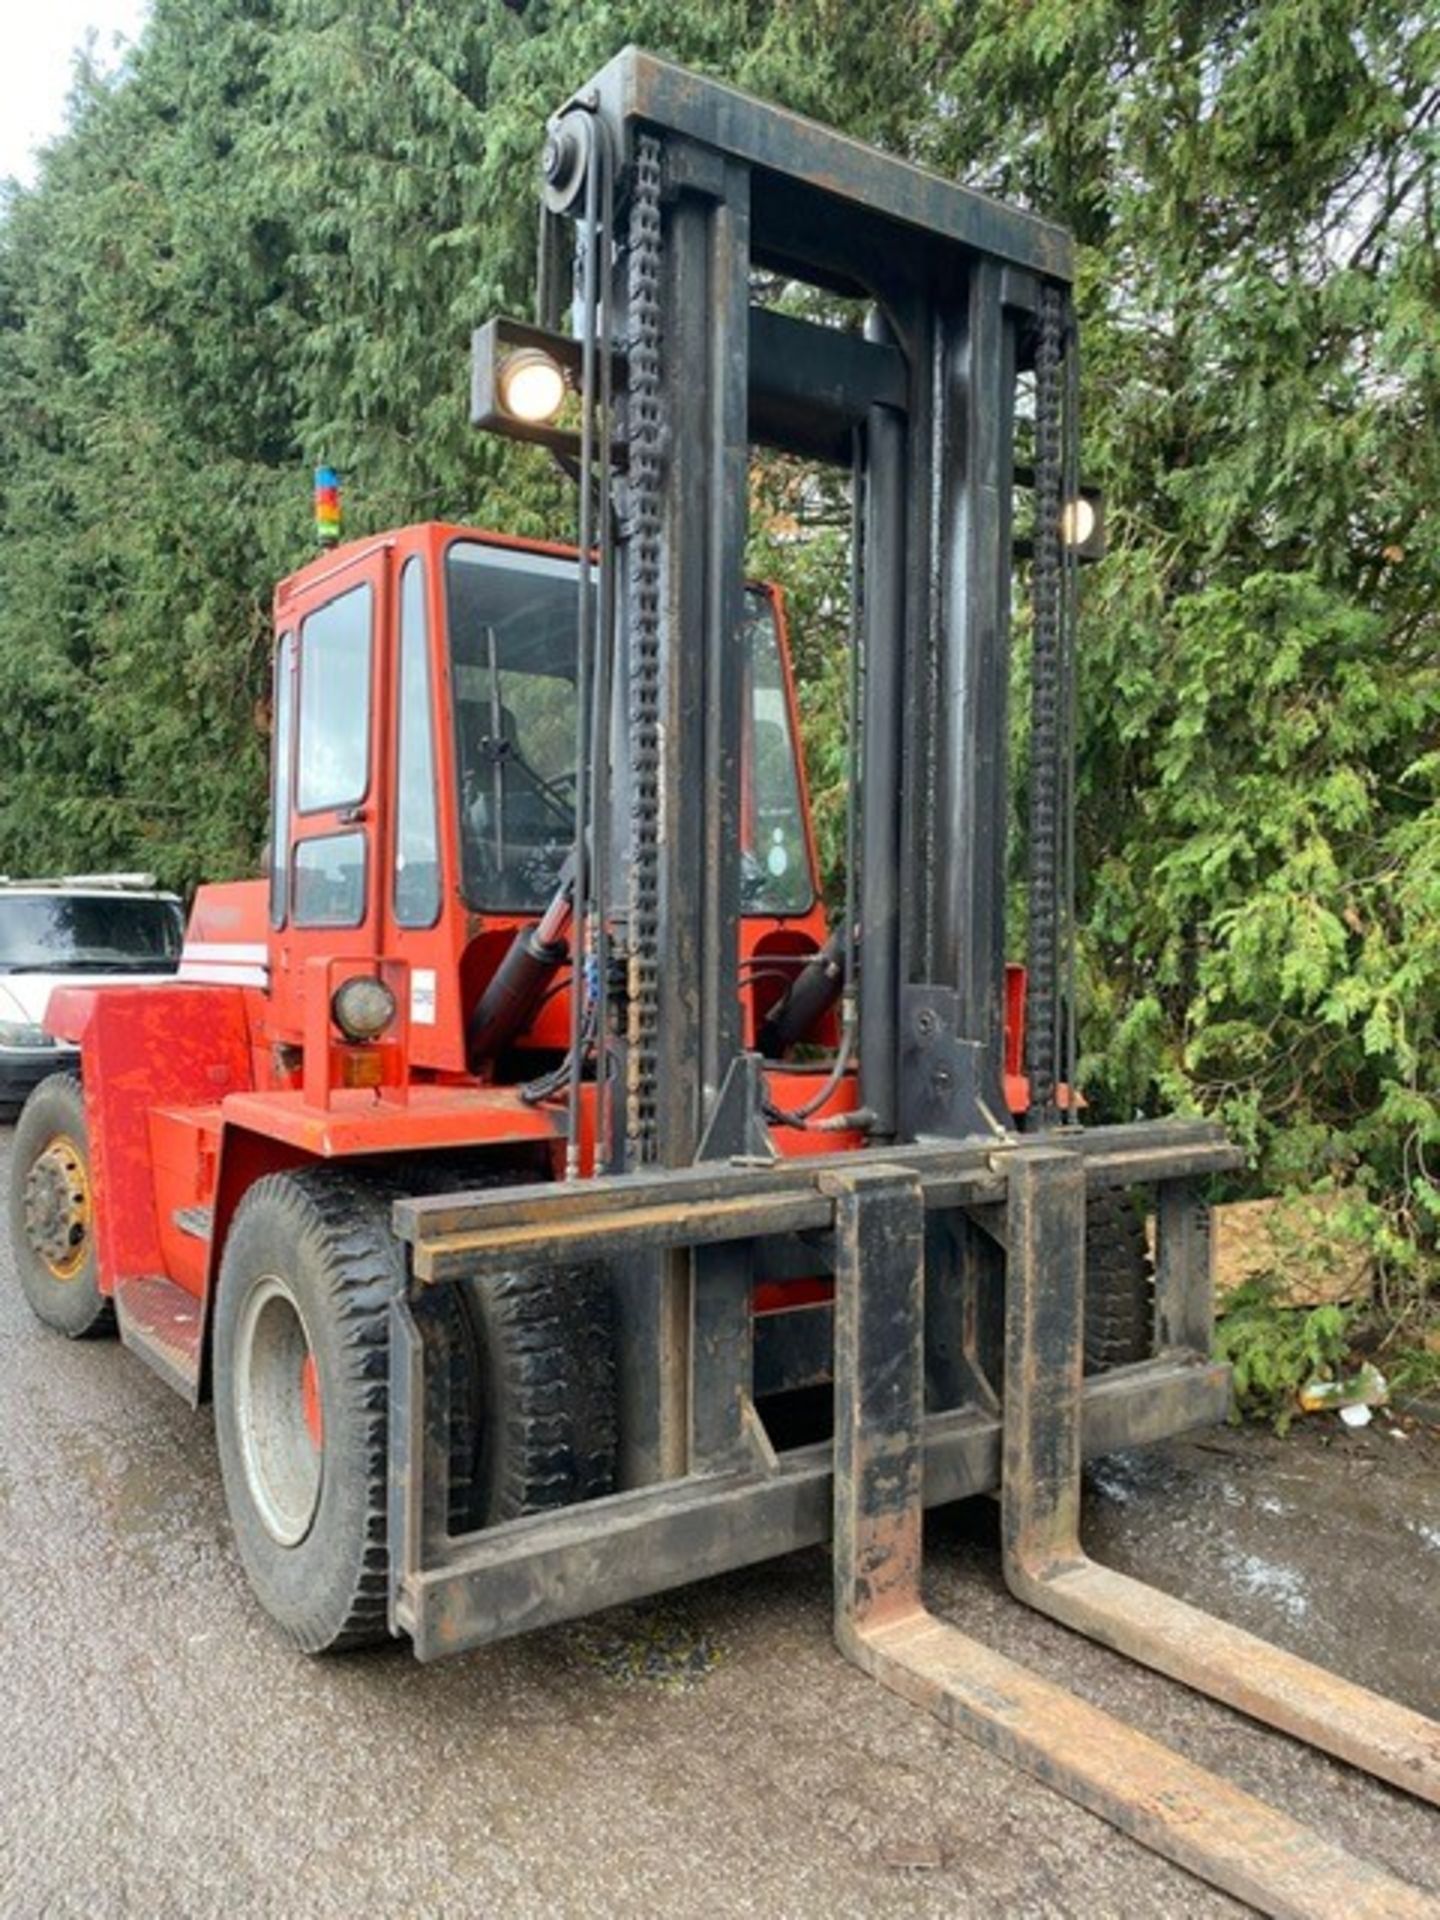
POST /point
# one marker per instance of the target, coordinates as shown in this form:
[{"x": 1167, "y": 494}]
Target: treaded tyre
[
  {"x": 300, "y": 1369},
  {"x": 301, "y": 1385},
  {"x": 1119, "y": 1283},
  {"x": 544, "y": 1354},
  {"x": 52, "y": 1222}
]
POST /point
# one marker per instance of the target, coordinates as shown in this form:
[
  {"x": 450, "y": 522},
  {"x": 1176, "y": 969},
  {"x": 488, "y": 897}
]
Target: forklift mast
[{"x": 682, "y": 193}]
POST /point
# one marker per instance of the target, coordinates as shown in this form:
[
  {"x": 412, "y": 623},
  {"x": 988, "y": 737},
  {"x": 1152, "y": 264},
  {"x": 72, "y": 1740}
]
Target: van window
[{"x": 83, "y": 932}]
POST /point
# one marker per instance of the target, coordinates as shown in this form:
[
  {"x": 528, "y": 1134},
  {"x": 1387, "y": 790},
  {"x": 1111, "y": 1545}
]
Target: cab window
[
  {"x": 282, "y": 745},
  {"x": 334, "y": 759},
  {"x": 417, "y": 833},
  {"x": 330, "y": 880},
  {"x": 512, "y": 621},
  {"x": 774, "y": 856},
  {"x": 512, "y": 650}
]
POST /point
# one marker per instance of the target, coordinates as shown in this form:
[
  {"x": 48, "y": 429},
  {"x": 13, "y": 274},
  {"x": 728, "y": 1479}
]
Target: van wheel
[{"x": 52, "y": 1212}]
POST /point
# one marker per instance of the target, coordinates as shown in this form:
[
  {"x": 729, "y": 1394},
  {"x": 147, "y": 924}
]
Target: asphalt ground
[{"x": 163, "y": 1753}]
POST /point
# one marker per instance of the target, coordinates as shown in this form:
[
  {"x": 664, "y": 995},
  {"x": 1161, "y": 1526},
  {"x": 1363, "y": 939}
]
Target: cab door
[
  {"x": 328, "y": 902},
  {"x": 417, "y": 932}
]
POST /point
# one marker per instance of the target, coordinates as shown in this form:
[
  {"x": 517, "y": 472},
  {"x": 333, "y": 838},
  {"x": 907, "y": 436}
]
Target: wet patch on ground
[
  {"x": 1324, "y": 1541},
  {"x": 646, "y": 1646}
]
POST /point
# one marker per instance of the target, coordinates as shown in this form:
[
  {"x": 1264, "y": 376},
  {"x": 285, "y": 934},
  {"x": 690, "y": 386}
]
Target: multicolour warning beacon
[{"x": 327, "y": 506}]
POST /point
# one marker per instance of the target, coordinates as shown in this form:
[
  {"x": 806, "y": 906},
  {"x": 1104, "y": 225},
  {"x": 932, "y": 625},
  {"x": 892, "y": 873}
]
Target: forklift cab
[{"x": 423, "y": 782}]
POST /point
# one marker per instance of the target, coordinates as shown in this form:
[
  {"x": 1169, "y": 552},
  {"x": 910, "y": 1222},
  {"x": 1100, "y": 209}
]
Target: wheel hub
[
  {"x": 57, "y": 1207},
  {"x": 279, "y": 1414}
]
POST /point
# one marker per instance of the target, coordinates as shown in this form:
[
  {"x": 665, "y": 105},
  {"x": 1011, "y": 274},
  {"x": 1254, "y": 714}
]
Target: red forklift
[{"x": 555, "y": 1206}]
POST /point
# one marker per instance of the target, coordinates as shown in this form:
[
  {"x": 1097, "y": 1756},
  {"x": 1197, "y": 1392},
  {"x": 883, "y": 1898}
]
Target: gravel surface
[{"x": 711, "y": 1754}]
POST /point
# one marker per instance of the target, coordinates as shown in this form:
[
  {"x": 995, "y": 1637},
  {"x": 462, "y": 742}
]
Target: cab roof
[{"x": 419, "y": 534}]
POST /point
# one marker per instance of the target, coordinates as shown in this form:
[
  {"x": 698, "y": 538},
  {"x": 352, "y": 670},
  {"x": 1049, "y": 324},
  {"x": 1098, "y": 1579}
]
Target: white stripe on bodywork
[
  {"x": 228, "y": 952},
  {"x": 223, "y": 974}
]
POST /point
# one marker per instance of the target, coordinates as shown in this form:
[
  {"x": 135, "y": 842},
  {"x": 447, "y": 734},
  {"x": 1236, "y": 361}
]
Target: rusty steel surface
[
  {"x": 879, "y": 1395},
  {"x": 1244, "y": 1671},
  {"x": 727, "y": 1504},
  {"x": 1191, "y": 1816},
  {"x": 543, "y": 1568},
  {"x": 461, "y": 1233},
  {"x": 636, "y": 85}
]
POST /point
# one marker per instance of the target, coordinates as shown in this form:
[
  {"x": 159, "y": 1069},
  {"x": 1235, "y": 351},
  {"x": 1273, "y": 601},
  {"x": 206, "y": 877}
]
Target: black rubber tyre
[
  {"x": 321, "y": 1236},
  {"x": 531, "y": 1398},
  {"x": 1119, "y": 1283},
  {"x": 545, "y": 1357},
  {"x": 52, "y": 1229}
]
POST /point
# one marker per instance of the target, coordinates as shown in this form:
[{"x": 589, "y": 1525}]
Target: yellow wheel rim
[{"x": 58, "y": 1208}]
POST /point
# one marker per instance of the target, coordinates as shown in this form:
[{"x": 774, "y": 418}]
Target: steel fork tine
[{"x": 1046, "y": 1565}]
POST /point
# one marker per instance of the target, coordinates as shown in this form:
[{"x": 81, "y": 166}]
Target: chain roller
[
  {"x": 643, "y": 594},
  {"x": 1047, "y": 719}
]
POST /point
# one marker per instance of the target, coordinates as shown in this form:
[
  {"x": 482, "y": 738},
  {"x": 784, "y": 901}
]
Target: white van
[{"x": 72, "y": 931}]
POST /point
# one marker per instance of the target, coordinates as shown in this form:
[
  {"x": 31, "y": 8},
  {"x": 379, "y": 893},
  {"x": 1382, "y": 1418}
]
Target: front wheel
[
  {"x": 301, "y": 1399},
  {"x": 300, "y": 1365}
]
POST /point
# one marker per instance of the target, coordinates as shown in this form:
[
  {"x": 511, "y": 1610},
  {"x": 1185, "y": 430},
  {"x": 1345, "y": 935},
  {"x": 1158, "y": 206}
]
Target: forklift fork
[
  {"x": 1046, "y": 1565},
  {"x": 1180, "y": 1810}
]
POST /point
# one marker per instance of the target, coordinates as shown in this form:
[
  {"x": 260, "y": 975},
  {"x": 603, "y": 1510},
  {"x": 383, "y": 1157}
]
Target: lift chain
[
  {"x": 1047, "y": 730},
  {"x": 643, "y": 589}
]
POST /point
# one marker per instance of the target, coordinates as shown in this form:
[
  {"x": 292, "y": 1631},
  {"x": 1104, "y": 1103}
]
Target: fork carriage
[{"x": 733, "y": 1499}]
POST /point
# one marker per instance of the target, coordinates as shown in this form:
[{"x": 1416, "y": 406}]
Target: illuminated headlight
[
  {"x": 531, "y": 386},
  {"x": 1077, "y": 521},
  {"x": 1082, "y": 524},
  {"x": 19, "y": 1033},
  {"x": 362, "y": 1008}
]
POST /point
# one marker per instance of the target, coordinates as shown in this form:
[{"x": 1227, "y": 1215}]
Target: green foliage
[
  {"x": 1254, "y": 192},
  {"x": 800, "y": 536},
  {"x": 264, "y": 245},
  {"x": 1413, "y": 1371},
  {"x": 1275, "y": 1350},
  {"x": 266, "y": 242}
]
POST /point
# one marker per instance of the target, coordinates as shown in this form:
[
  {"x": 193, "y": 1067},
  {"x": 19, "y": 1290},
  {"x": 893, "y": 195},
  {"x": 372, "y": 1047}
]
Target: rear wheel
[
  {"x": 301, "y": 1366},
  {"x": 52, "y": 1212},
  {"x": 1119, "y": 1282}
]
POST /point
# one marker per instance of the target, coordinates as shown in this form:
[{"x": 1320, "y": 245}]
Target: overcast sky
[{"x": 41, "y": 39}]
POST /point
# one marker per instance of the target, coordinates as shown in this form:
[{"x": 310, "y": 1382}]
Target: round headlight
[
  {"x": 1077, "y": 521},
  {"x": 362, "y": 1008},
  {"x": 532, "y": 386}
]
